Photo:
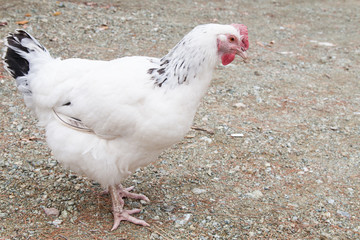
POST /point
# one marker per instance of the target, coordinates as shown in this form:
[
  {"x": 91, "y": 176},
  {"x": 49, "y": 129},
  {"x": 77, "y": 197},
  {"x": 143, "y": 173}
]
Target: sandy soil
[{"x": 280, "y": 157}]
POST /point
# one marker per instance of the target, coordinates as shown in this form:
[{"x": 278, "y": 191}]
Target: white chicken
[{"x": 105, "y": 119}]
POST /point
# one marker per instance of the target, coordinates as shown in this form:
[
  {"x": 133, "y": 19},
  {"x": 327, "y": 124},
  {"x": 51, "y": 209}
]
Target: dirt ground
[{"x": 275, "y": 152}]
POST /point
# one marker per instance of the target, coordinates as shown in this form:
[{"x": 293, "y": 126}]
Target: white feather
[{"x": 132, "y": 117}]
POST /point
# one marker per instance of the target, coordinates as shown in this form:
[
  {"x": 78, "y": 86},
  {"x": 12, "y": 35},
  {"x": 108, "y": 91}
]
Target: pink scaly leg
[{"x": 117, "y": 194}]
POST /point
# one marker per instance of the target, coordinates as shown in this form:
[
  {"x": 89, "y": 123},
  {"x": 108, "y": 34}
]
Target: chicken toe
[
  {"x": 117, "y": 194},
  {"x": 125, "y": 192}
]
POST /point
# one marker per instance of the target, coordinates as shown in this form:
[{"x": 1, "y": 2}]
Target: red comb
[{"x": 242, "y": 29}]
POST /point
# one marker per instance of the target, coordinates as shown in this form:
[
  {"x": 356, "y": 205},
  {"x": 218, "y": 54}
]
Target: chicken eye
[{"x": 232, "y": 39}]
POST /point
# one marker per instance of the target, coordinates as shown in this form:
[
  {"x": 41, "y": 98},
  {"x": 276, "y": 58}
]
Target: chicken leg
[{"x": 117, "y": 194}]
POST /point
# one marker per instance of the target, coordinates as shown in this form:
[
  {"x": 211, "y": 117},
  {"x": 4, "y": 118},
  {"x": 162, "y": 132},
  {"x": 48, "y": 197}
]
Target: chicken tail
[{"x": 22, "y": 51}]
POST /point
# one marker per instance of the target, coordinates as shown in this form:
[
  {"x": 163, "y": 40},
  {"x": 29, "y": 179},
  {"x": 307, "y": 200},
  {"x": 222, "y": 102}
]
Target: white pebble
[
  {"x": 257, "y": 194},
  {"x": 237, "y": 135},
  {"x": 206, "y": 139},
  {"x": 51, "y": 211},
  {"x": 198, "y": 190},
  {"x": 184, "y": 219},
  {"x": 239, "y": 105}
]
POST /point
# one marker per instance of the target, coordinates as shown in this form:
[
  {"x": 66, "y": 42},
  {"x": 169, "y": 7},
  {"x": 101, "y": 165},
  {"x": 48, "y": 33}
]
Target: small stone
[
  {"x": 343, "y": 213},
  {"x": 326, "y": 44},
  {"x": 215, "y": 224},
  {"x": 323, "y": 60},
  {"x": 198, "y": 191},
  {"x": 206, "y": 139},
  {"x": 56, "y": 222},
  {"x": 143, "y": 202},
  {"x": 237, "y": 135},
  {"x": 154, "y": 236},
  {"x": 168, "y": 208},
  {"x": 239, "y": 105},
  {"x": 37, "y": 163},
  {"x": 331, "y": 201},
  {"x": 351, "y": 191},
  {"x": 235, "y": 169},
  {"x": 325, "y": 236},
  {"x": 205, "y": 119},
  {"x": 60, "y": 4},
  {"x": 184, "y": 219},
  {"x": 192, "y": 135},
  {"x": 257, "y": 194},
  {"x": 257, "y": 73},
  {"x": 28, "y": 193},
  {"x": 44, "y": 20},
  {"x": 64, "y": 214},
  {"x": 19, "y": 128},
  {"x": 259, "y": 99},
  {"x": 293, "y": 205},
  {"x": 51, "y": 212},
  {"x": 70, "y": 208}
]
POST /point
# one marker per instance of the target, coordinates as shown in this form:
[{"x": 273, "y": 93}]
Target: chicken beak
[{"x": 241, "y": 53}]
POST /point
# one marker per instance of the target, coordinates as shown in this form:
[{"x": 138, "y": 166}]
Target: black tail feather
[
  {"x": 16, "y": 64},
  {"x": 14, "y": 59}
]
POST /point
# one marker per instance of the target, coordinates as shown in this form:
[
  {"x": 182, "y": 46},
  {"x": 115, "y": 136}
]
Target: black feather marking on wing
[
  {"x": 160, "y": 84},
  {"x": 151, "y": 70},
  {"x": 67, "y": 104},
  {"x": 164, "y": 63},
  {"x": 161, "y": 74},
  {"x": 161, "y": 71}
]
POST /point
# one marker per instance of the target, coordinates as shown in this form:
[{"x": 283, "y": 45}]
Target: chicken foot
[{"x": 117, "y": 194}]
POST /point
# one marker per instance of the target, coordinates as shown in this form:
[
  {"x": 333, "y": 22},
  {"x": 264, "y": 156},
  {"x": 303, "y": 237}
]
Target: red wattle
[{"x": 227, "y": 58}]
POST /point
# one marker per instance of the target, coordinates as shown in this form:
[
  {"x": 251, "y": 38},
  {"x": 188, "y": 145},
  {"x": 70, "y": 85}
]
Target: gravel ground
[{"x": 280, "y": 154}]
